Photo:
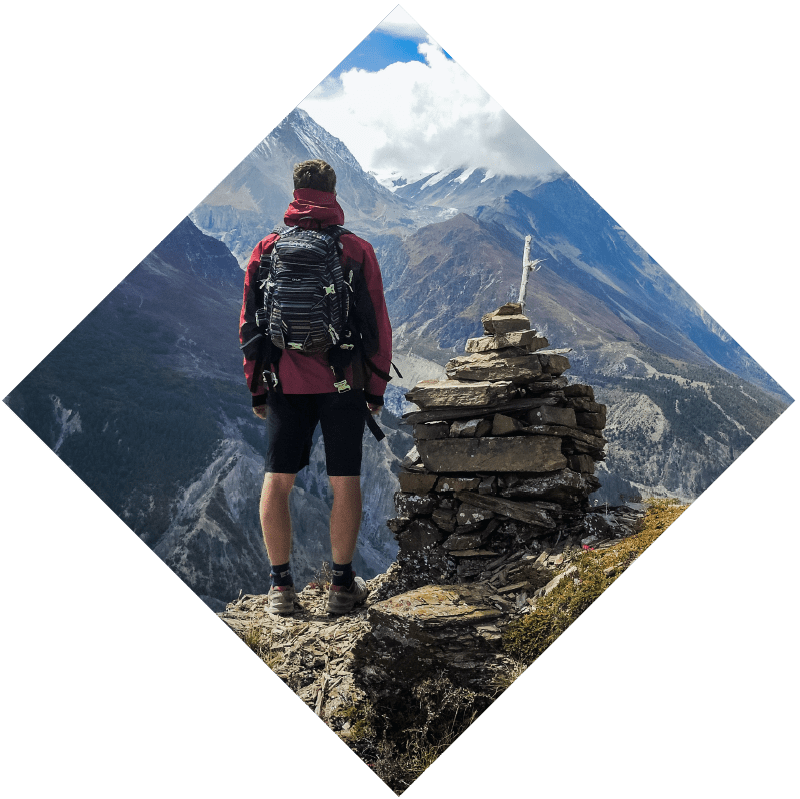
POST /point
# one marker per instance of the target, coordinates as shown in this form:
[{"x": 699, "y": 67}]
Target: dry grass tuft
[
  {"x": 526, "y": 638},
  {"x": 261, "y": 644}
]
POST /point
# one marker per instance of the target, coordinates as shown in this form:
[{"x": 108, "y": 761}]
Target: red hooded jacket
[{"x": 310, "y": 373}]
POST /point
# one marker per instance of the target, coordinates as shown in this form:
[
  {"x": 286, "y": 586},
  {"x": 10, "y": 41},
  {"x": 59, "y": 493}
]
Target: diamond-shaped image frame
[{"x": 772, "y": 487}]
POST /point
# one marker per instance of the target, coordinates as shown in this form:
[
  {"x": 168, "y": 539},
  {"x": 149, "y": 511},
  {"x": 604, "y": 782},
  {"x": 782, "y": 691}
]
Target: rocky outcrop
[
  {"x": 493, "y": 509},
  {"x": 385, "y": 647}
]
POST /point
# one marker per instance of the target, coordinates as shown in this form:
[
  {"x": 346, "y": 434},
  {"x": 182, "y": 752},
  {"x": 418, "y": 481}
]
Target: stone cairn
[{"x": 504, "y": 458}]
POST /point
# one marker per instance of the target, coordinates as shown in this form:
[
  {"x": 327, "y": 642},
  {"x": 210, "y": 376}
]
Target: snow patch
[
  {"x": 69, "y": 421},
  {"x": 464, "y": 175},
  {"x": 434, "y": 179}
]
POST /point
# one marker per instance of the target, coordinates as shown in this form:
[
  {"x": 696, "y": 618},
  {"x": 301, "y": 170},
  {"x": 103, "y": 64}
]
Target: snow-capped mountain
[
  {"x": 465, "y": 188},
  {"x": 251, "y": 201}
]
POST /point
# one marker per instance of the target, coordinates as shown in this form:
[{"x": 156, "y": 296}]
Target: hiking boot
[
  {"x": 343, "y": 600},
  {"x": 282, "y": 600}
]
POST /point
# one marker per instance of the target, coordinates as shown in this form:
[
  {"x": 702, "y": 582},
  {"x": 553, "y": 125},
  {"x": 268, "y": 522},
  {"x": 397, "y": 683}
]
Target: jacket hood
[{"x": 313, "y": 209}]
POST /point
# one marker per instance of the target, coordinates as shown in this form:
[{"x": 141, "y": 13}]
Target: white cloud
[
  {"x": 419, "y": 117},
  {"x": 402, "y": 26}
]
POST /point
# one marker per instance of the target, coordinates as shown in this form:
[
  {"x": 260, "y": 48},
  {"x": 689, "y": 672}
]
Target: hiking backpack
[
  {"x": 309, "y": 306},
  {"x": 307, "y": 297}
]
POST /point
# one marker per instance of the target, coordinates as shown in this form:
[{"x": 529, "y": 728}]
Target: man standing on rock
[{"x": 297, "y": 386}]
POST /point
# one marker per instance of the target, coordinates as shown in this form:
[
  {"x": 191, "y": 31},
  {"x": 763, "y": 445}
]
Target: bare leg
[
  {"x": 276, "y": 524},
  {"x": 345, "y": 517}
]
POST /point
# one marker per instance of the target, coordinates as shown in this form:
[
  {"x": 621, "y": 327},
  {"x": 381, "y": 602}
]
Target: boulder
[
  {"x": 595, "y": 442},
  {"x": 493, "y": 454},
  {"x": 451, "y": 483},
  {"x": 560, "y": 486},
  {"x": 525, "y": 339},
  {"x": 438, "y": 414},
  {"x": 464, "y": 541},
  {"x": 424, "y": 432},
  {"x": 503, "y": 425},
  {"x": 547, "y": 414},
  {"x": 470, "y": 515},
  {"x": 509, "y": 309},
  {"x": 553, "y": 364},
  {"x": 581, "y": 463},
  {"x": 411, "y": 505},
  {"x": 470, "y": 428},
  {"x": 436, "y": 618},
  {"x": 454, "y": 628},
  {"x": 594, "y": 421},
  {"x": 579, "y": 390},
  {"x": 536, "y": 513},
  {"x": 586, "y": 404},
  {"x": 495, "y": 366},
  {"x": 417, "y": 483},
  {"x": 418, "y": 534},
  {"x": 454, "y": 393},
  {"x": 501, "y": 325},
  {"x": 547, "y": 383},
  {"x": 444, "y": 519},
  {"x": 411, "y": 459}
]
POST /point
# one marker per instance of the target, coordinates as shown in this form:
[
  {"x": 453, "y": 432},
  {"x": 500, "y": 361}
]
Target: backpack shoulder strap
[
  {"x": 375, "y": 370},
  {"x": 335, "y": 231},
  {"x": 373, "y": 425},
  {"x": 266, "y": 255}
]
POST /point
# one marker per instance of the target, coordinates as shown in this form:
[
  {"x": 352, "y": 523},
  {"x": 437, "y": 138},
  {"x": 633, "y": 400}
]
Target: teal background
[{"x": 695, "y": 155}]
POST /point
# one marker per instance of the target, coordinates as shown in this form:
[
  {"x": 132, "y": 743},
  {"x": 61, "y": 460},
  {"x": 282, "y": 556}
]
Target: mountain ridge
[{"x": 145, "y": 399}]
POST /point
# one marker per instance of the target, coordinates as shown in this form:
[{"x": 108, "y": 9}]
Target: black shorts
[{"x": 292, "y": 419}]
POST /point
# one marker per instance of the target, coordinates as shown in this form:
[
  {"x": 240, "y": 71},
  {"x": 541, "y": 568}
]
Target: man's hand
[
  {"x": 374, "y": 409},
  {"x": 260, "y": 411}
]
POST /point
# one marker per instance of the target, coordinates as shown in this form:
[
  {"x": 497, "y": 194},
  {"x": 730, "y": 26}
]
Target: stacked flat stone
[{"x": 505, "y": 452}]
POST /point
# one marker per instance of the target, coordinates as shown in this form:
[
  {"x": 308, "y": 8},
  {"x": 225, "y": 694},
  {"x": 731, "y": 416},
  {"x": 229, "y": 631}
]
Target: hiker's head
[{"x": 316, "y": 174}]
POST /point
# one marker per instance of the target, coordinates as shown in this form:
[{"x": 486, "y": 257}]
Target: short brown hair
[{"x": 316, "y": 174}]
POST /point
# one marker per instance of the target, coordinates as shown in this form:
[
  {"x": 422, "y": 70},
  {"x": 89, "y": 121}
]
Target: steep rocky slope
[{"x": 145, "y": 401}]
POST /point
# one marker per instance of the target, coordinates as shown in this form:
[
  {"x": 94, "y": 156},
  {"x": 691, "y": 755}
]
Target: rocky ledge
[
  {"x": 493, "y": 510},
  {"x": 334, "y": 663}
]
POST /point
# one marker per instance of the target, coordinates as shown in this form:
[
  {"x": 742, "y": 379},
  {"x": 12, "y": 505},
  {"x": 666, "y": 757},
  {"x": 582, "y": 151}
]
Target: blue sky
[{"x": 378, "y": 50}]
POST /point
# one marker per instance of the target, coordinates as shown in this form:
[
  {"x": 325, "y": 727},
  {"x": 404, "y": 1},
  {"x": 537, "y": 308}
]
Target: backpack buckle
[
  {"x": 262, "y": 317},
  {"x": 342, "y": 386}
]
